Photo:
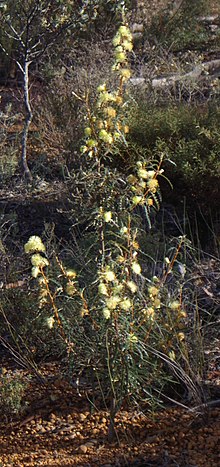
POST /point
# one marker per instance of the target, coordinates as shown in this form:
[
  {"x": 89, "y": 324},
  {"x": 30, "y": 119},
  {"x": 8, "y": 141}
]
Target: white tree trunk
[{"x": 28, "y": 119}]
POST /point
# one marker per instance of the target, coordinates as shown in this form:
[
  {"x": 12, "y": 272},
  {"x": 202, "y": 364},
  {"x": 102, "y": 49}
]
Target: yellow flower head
[
  {"x": 109, "y": 275},
  {"x": 128, "y": 46},
  {"x": 92, "y": 143},
  {"x": 107, "y": 216},
  {"x": 175, "y": 305},
  {"x": 106, "y": 313},
  {"x": 120, "y": 259},
  {"x": 84, "y": 312},
  {"x": 143, "y": 173},
  {"x": 106, "y": 97},
  {"x": 150, "y": 202},
  {"x": 124, "y": 31},
  {"x": 117, "y": 289},
  {"x": 153, "y": 291},
  {"x": 101, "y": 87},
  {"x": 105, "y": 136},
  {"x": 182, "y": 314},
  {"x": 116, "y": 40},
  {"x": 132, "y": 179},
  {"x": 88, "y": 131},
  {"x": 50, "y": 322},
  {"x": 132, "y": 338},
  {"x": 157, "y": 303},
  {"x": 125, "y": 304},
  {"x": 135, "y": 245},
  {"x": 83, "y": 149},
  {"x": 35, "y": 271},
  {"x": 137, "y": 199},
  {"x": 103, "y": 289},
  {"x": 119, "y": 48},
  {"x": 181, "y": 336},
  {"x": 42, "y": 302},
  {"x": 70, "y": 289},
  {"x": 136, "y": 268},
  {"x": 125, "y": 73},
  {"x": 149, "y": 312},
  {"x": 38, "y": 261},
  {"x": 71, "y": 274},
  {"x": 111, "y": 112},
  {"x": 120, "y": 57},
  {"x": 132, "y": 286},
  {"x": 100, "y": 124},
  {"x": 112, "y": 302},
  {"x": 119, "y": 101},
  {"x": 153, "y": 185},
  {"x": 124, "y": 230},
  {"x": 34, "y": 244},
  {"x": 172, "y": 355}
]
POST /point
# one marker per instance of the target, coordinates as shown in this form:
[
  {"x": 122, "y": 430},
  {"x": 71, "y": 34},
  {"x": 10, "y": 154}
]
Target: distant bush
[
  {"x": 187, "y": 135},
  {"x": 9, "y": 141},
  {"x": 178, "y": 26}
]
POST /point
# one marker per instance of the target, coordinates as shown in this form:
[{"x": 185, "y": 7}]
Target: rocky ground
[{"x": 59, "y": 427}]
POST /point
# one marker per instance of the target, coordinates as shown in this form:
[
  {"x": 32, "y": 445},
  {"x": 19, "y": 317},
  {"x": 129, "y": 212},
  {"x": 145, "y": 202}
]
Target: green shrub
[
  {"x": 119, "y": 323},
  {"x": 189, "y": 137},
  {"x": 179, "y": 27},
  {"x": 12, "y": 391}
]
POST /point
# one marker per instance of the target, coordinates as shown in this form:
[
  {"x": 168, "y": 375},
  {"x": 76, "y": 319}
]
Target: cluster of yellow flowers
[
  {"x": 116, "y": 294},
  {"x": 35, "y": 246},
  {"x": 169, "y": 314},
  {"x": 104, "y": 126},
  {"x": 178, "y": 314},
  {"x": 144, "y": 184},
  {"x": 71, "y": 288},
  {"x": 154, "y": 303},
  {"x": 123, "y": 44}
]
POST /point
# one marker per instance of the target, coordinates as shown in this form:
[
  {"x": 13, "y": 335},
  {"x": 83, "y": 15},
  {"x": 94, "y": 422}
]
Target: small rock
[
  {"x": 213, "y": 27},
  {"x": 44, "y": 452},
  {"x": 82, "y": 417},
  {"x": 137, "y": 27},
  {"x": 137, "y": 36},
  {"x": 39, "y": 427},
  {"x": 83, "y": 448},
  {"x": 91, "y": 443},
  {"x": 52, "y": 417},
  {"x": 43, "y": 430},
  {"x": 137, "y": 81}
]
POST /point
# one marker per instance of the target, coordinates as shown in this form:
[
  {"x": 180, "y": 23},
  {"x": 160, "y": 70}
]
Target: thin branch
[{"x": 17, "y": 35}]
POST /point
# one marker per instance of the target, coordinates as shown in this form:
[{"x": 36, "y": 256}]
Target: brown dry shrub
[{"x": 60, "y": 115}]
